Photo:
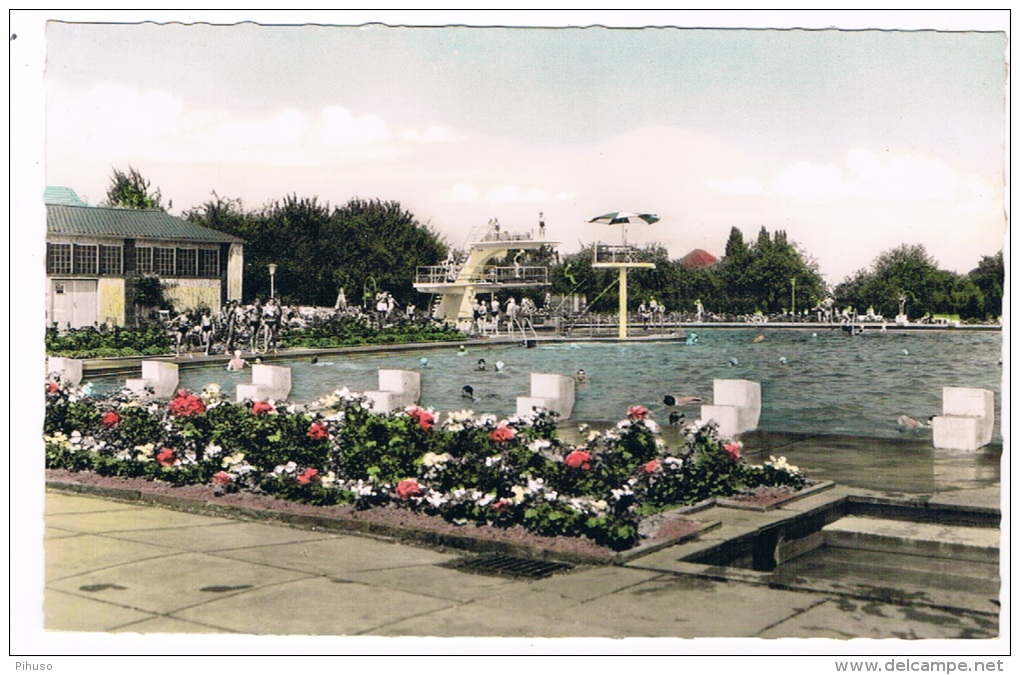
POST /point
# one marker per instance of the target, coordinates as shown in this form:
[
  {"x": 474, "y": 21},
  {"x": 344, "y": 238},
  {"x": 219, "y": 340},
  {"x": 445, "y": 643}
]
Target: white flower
[
  {"x": 782, "y": 465},
  {"x": 212, "y": 450},
  {"x": 539, "y": 445},
  {"x": 432, "y": 459},
  {"x": 494, "y": 459},
  {"x": 519, "y": 492},
  {"x": 651, "y": 425},
  {"x": 581, "y": 428},
  {"x": 328, "y": 479},
  {"x": 592, "y": 435},
  {"x": 461, "y": 416},
  {"x": 233, "y": 459},
  {"x": 435, "y": 499}
]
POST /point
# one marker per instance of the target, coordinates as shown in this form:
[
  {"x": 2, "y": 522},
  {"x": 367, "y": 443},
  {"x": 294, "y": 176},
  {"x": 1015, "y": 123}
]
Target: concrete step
[{"x": 933, "y": 540}]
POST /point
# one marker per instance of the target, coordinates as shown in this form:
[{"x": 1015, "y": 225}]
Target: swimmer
[
  {"x": 782, "y": 360},
  {"x": 467, "y": 391},
  {"x": 906, "y": 422},
  {"x": 759, "y": 338},
  {"x": 580, "y": 376},
  {"x": 481, "y": 364},
  {"x": 676, "y": 417},
  {"x": 315, "y": 360},
  {"x": 423, "y": 362},
  {"x": 237, "y": 363},
  {"x": 671, "y": 401},
  {"x": 499, "y": 366},
  {"x": 462, "y": 350},
  {"x": 906, "y": 352},
  {"x": 734, "y": 362}
]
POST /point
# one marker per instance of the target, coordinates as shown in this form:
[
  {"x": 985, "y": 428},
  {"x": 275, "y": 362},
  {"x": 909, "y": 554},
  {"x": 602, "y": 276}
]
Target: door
[{"x": 74, "y": 302}]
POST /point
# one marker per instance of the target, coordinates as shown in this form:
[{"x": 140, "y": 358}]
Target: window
[
  {"x": 110, "y": 260},
  {"x": 58, "y": 258},
  {"x": 208, "y": 263},
  {"x": 187, "y": 262},
  {"x": 143, "y": 260},
  {"x": 164, "y": 262},
  {"x": 86, "y": 259}
]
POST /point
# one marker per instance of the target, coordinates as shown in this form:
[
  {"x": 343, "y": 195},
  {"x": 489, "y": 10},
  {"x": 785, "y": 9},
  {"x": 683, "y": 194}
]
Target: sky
[{"x": 852, "y": 141}]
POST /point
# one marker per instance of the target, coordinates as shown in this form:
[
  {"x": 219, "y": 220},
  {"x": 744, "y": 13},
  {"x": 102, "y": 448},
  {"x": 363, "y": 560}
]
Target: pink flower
[
  {"x": 222, "y": 478},
  {"x": 578, "y": 459},
  {"x": 53, "y": 387},
  {"x": 637, "y": 412},
  {"x": 110, "y": 420},
  {"x": 166, "y": 457},
  {"x": 317, "y": 432},
  {"x": 186, "y": 405},
  {"x": 424, "y": 418},
  {"x": 261, "y": 408},
  {"x": 407, "y": 489},
  {"x": 501, "y": 505},
  {"x": 650, "y": 467},
  {"x": 502, "y": 433},
  {"x": 308, "y": 476},
  {"x": 733, "y": 449}
]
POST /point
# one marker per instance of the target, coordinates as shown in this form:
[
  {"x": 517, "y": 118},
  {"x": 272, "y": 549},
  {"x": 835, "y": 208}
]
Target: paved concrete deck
[{"x": 120, "y": 567}]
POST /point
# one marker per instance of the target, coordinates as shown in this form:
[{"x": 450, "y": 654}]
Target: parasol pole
[{"x": 623, "y": 303}]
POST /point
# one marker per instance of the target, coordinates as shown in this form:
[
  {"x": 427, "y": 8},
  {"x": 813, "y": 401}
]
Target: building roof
[
  {"x": 62, "y": 195},
  {"x": 698, "y": 258},
  {"x": 99, "y": 221}
]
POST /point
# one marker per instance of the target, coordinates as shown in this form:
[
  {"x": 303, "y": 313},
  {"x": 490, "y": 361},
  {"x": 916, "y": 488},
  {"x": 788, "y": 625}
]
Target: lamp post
[
  {"x": 793, "y": 297},
  {"x": 272, "y": 280}
]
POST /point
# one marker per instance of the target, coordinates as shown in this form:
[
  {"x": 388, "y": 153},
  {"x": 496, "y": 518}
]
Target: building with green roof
[{"x": 95, "y": 255}]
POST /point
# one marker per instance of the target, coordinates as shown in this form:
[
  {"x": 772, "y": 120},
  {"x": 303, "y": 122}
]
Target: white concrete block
[
  {"x": 159, "y": 376},
  {"x": 405, "y": 381},
  {"x": 967, "y": 421},
  {"x": 552, "y": 391},
  {"x": 267, "y": 382},
  {"x": 69, "y": 371},
  {"x": 736, "y": 406},
  {"x": 389, "y": 401}
]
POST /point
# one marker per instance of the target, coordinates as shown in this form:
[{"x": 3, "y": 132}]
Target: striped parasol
[{"x": 625, "y": 218}]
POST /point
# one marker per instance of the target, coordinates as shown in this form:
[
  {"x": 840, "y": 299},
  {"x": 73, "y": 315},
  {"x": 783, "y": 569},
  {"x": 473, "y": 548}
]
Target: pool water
[{"x": 823, "y": 382}]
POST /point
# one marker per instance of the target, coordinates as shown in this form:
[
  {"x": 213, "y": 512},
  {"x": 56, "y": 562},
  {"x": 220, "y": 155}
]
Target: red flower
[
  {"x": 186, "y": 405},
  {"x": 222, "y": 478},
  {"x": 733, "y": 450},
  {"x": 424, "y": 418},
  {"x": 650, "y": 467},
  {"x": 166, "y": 457},
  {"x": 502, "y": 433},
  {"x": 309, "y": 476},
  {"x": 110, "y": 420},
  {"x": 53, "y": 387},
  {"x": 578, "y": 459},
  {"x": 637, "y": 412},
  {"x": 317, "y": 432},
  {"x": 407, "y": 489},
  {"x": 261, "y": 408}
]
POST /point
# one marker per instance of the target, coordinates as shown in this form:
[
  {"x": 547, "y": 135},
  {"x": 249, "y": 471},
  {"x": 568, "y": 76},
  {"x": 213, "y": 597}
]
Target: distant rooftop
[
  {"x": 698, "y": 258},
  {"x": 62, "y": 195}
]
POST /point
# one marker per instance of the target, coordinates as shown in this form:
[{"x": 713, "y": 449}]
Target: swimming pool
[{"x": 824, "y": 382}]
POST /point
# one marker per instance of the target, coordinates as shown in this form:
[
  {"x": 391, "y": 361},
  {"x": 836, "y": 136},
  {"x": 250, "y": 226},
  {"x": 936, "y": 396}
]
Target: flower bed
[{"x": 467, "y": 469}]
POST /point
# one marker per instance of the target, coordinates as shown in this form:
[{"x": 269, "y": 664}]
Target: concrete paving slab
[
  {"x": 316, "y": 606},
  {"x": 123, "y": 520},
  {"x": 69, "y": 612},
  {"x": 339, "y": 555},
  {"x": 57, "y": 503},
  {"x": 58, "y": 533},
  {"x": 72, "y": 556},
  {"x": 432, "y": 581},
  {"x": 223, "y": 537},
  {"x": 172, "y": 582},
  {"x": 165, "y": 624},
  {"x": 494, "y": 622},
  {"x": 985, "y": 497},
  {"x": 980, "y": 544},
  {"x": 846, "y": 618},
  {"x": 676, "y": 606}
]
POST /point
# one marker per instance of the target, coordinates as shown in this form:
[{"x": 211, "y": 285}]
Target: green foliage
[
  {"x": 89, "y": 342},
  {"x": 132, "y": 191},
  {"x": 319, "y": 249}
]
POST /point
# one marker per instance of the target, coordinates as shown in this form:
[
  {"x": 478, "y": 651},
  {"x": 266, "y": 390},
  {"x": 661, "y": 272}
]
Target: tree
[
  {"x": 363, "y": 245},
  {"x": 990, "y": 277},
  {"x": 131, "y": 191}
]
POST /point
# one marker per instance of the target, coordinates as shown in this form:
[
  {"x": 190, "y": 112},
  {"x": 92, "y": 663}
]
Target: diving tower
[
  {"x": 459, "y": 282},
  {"x": 622, "y": 258}
]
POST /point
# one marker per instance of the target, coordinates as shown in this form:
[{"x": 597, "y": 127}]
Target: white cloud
[
  {"x": 433, "y": 134},
  {"x": 738, "y": 185},
  {"x": 338, "y": 126}
]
